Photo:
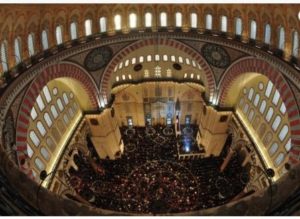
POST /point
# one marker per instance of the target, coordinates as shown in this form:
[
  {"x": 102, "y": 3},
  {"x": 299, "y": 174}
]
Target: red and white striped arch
[
  {"x": 250, "y": 64},
  {"x": 107, "y": 76}
]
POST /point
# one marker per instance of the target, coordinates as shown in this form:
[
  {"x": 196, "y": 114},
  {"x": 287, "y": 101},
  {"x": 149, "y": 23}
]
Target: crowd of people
[{"x": 148, "y": 178}]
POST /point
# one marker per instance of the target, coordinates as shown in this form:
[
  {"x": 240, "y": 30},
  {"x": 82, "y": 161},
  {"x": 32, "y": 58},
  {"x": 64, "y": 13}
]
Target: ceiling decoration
[
  {"x": 177, "y": 66},
  {"x": 138, "y": 67},
  {"x": 216, "y": 55},
  {"x": 98, "y": 58}
]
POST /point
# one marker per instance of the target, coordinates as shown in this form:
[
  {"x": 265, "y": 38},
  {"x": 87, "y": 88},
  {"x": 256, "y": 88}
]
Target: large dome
[{"x": 146, "y": 109}]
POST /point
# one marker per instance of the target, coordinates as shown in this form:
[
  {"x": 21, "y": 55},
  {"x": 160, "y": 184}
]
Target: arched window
[
  {"x": 223, "y": 23},
  {"x": 269, "y": 89},
  {"x": 40, "y": 103},
  {"x": 269, "y": 114},
  {"x": 279, "y": 159},
  {"x": 148, "y": 19},
  {"x": 253, "y": 30},
  {"x": 267, "y": 34},
  {"x": 281, "y": 41},
  {"x": 157, "y": 57},
  {"x": 103, "y": 24},
  {"x": 251, "y": 115},
  {"x": 276, "y": 123},
  {"x": 276, "y": 97},
  {"x": 30, "y": 42},
  {"x": 47, "y": 119},
  {"x": 18, "y": 50},
  {"x": 66, "y": 119},
  {"x": 263, "y": 107},
  {"x": 121, "y": 65},
  {"x": 66, "y": 99},
  {"x": 54, "y": 112},
  {"x": 262, "y": 130},
  {"x": 208, "y": 22},
  {"x": 133, "y": 60},
  {"x": 60, "y": 105},
  {"x": 118, "y": 21},
  {"x": 34, "y": 138},
  {"x": 141, "y": 59},
  {"x": 157, "y": 71},
  {"x": 4, "y": 60},
  {"x": 180, "y": 59},
  {"x": 165, "y": 58},
  {"x": 146, "y": 73},
  {"x": 282, "y": 108},
  {"x": 273, "y": 149},
  {"x": 246, "y": 107},
  {"x": 238, "y": 26},
  {"x": 29, "y": 151},
  {"x": 45, "y": 154},
  {"x": 178, "y": 19},
  {"x": 149, "y": 58},
  {"x": 187, "y": 61},
  {"x": 256, "y": 100},
  {"x": 169, "y": 74},
  {"x": 33, "y": 113},
  {"x": 55, "y": 91},
  {"x": 45, "y": 40},
  {"x": 73, "y": 28},
  {"x": 163, "y": 19},
  {"x": 132, "y": 20},
  {"x": 50, "y": 143},
  {"x": 250, "y": 94},
  {"x": 71, "y": 112},
  {"x": 55, "y": 134},
  {"x": 47, "y": 94},
  {"x": 295, "y": 47},
  {"x": 283, "y": 132},
  {"x": 241, "y": 102},
  {"x": 267, "y": 139},
  {"x": 58, "y": 34},
  {"x": 288, "y": 145},
  {"x": 41, "y": 128},
  {"x": 194, "y": 20},
  {"x": 260, "y": 86},
  {"x": 88, "y": 27},
  {"x": 39, "y": 164}
]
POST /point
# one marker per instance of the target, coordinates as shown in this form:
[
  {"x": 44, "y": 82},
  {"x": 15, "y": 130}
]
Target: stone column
[
  {"x": 246, "y": 160},
  {"x": 226, "y": 160}
]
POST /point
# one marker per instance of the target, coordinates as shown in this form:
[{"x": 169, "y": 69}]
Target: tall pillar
[
  {"x": 226, "y": 160},
  {"x": 246, "y": 160}
]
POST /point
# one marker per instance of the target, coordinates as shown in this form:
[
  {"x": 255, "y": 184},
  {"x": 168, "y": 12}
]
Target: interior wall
[
  {"x": 158, "y": 100},
  {"x": 213, "y": 130},
  {"x": 105, "y": 134}
]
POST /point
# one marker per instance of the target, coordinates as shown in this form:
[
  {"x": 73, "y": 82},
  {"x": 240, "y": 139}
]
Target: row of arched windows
[
  {"x": 157, "y": 57},
  {"x": 148, "y": 22},
  {"x": 52, "y": 114},
  {"x": 263, "y": 107}
]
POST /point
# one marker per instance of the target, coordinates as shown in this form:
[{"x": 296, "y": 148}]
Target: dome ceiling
[{"x": 96, "y": 57}]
